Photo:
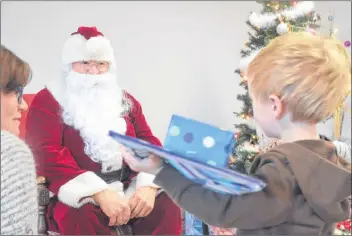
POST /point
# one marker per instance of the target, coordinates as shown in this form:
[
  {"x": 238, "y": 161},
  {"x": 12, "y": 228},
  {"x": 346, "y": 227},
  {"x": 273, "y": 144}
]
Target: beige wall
[{"x": 175, "y": 57}]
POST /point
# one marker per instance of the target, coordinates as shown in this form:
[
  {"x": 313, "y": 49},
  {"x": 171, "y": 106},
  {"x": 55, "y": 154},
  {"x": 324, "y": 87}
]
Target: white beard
[{"x": 92, "y": 104}]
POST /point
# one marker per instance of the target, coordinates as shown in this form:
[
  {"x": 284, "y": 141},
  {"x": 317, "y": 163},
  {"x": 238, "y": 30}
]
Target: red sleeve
[
  {"x": 44, "y": 135},
  {"x": 140, "y": 124}
]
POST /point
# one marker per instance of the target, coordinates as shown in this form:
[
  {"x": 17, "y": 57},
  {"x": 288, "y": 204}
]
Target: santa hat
[{"x": 87, "y": 44}]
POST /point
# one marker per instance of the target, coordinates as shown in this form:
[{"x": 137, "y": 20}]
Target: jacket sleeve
[
  {"x": 143, "y": 132},
  {"x": 44, "y": 134},
  {"x": 248, "y": 211}
]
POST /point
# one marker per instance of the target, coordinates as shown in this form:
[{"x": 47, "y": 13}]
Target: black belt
[{"x": 117, "y": 175}]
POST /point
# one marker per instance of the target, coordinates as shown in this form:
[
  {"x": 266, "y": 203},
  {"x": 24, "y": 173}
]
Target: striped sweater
[{"x": 19, "y": 203}]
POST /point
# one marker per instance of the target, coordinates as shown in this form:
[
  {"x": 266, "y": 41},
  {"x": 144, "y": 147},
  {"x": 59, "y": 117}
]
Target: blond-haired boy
[{"x": 295, "y": 82}]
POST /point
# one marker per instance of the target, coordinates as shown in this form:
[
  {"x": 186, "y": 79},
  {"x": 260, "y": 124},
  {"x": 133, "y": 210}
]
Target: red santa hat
[{"x": 87, "y": 43}]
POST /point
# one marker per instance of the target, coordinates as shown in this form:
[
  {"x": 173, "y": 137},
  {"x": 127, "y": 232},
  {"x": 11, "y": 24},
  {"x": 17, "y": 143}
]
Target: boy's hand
[{"x": 151, "y": 165}]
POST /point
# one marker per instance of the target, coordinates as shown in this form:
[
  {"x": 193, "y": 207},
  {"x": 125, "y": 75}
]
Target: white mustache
[{"x": 76, "y": 80}]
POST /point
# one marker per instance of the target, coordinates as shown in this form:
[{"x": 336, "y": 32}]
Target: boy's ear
[{"x": 277, "y": 106}]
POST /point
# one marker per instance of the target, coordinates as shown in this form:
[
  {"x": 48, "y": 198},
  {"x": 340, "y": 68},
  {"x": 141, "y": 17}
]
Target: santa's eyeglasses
[{"x": 102, "y": 66}]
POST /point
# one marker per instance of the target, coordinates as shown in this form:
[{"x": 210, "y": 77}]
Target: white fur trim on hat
[{"x": 77, "y": 48}]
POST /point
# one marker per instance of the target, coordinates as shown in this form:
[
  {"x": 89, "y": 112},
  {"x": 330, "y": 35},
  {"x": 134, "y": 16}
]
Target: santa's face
[{"x": 93, "y": 105}]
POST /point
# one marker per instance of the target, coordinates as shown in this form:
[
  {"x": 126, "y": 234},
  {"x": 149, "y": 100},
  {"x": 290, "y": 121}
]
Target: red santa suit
[{"x": 66, "y": 129}]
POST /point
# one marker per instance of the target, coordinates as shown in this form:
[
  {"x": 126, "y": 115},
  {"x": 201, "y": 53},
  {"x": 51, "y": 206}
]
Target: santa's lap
[{"x": 165, "y": 219}]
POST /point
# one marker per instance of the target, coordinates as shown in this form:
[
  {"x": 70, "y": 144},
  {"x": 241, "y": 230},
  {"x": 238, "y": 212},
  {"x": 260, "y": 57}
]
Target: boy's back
[
  {"x": 319, "y": 184},
  {"x": 307, "y": 192}
]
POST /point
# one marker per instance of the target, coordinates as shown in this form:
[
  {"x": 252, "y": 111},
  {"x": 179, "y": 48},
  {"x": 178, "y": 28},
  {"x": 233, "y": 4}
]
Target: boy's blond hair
[{"x": 311, "y": 74}]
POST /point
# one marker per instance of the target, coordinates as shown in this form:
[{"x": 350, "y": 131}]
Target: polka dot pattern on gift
[
  {"x": 211, "y": 162},
  {"x": 208, "y": 142},
  {"x": 188, "y": 137},
  {"x": 199, "y": 141},
  {"x": 175, "y": 131}
]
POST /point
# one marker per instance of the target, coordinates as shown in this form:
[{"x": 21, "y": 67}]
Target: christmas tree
[{"x": 276, "y": 18}]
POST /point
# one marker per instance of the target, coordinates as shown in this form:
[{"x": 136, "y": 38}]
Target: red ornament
[
  {"x": 237, "y": 135},
  {"x": 345, "y": 225},
  {"x": 311, "y": 30},
  {"x": 88, "y": 32}
]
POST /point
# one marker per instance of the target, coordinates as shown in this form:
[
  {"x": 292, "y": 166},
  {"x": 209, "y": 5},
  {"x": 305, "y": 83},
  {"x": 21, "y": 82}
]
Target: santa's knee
[
  {"x": 87, "y": 219},
  {"x": 170, "y": 221},
  {"x": 165, "y": 219},
  {"x": 166, "y": 206}
]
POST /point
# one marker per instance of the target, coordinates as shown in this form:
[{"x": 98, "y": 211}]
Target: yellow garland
[{"x": 338, "y": 119}]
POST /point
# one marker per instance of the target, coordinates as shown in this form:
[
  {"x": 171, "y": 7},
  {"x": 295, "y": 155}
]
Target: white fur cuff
[
  {"x": 132, "y": 188},
  {"x": 145, "y": 180},
  {"x": 343, "y": 150},
  {"x": 75, "y": 192}
]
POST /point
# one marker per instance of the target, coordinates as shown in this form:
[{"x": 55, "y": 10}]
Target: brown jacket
[{"x": 307, "y": 192}]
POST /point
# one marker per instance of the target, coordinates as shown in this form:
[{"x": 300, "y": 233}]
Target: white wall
[{"x": 174, "y": 57}]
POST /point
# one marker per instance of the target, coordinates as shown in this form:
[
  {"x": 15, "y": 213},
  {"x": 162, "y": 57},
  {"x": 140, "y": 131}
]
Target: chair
[{"x": 43, "y": 201}]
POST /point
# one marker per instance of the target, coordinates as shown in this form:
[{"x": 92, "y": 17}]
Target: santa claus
[{"x": 93, "y": 192}]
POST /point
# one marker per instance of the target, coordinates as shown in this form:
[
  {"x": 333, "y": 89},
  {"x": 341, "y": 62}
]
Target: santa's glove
[{"x": 343, "y": 150}]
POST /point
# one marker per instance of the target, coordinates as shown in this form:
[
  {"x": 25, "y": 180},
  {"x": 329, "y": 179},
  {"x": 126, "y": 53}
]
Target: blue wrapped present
[
  {"x": 198, "y": 151},
  {"x": 200, "y": 142}
]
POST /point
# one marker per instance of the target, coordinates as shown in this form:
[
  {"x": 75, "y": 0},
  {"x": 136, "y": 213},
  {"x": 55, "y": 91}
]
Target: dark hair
[{"x": 15, "y": 73}]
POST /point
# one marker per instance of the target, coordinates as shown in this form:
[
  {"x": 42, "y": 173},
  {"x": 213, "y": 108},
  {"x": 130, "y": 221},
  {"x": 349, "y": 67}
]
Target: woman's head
[{"x": 15, "y": 75}]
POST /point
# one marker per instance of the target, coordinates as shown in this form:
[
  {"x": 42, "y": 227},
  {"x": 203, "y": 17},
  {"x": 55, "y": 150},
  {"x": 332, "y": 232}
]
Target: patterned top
[{"x": 19, "y": 203}]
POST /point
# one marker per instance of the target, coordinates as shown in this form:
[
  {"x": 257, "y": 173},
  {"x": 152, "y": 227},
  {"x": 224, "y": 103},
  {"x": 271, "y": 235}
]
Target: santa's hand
[
  {"x": 151, "y": 165},
  {"x": 114, "y": 206},
  {"x": 142, "y": 202}
]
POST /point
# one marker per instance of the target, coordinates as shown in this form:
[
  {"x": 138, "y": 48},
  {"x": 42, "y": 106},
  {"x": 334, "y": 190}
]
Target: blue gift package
[
  {"x": 199, "y": 141},
  {"x": 200, "y": 152}
]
